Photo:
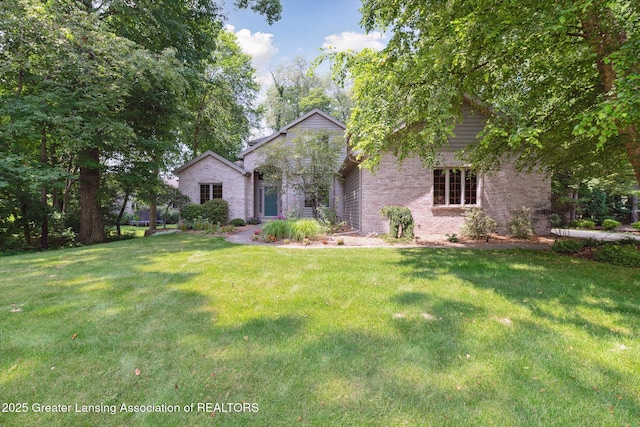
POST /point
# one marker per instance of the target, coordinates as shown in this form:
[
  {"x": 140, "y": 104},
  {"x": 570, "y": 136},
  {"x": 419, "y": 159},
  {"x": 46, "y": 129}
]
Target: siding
[
  {"x": 351, "y": 198},
  {"x": 466, "y": 131}
]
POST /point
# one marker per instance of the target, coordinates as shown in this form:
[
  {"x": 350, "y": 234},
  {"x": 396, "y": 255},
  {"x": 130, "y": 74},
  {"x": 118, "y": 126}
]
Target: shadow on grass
[
  {"x": 413, "y": 370},
  {"x": 532, "y": 280}
]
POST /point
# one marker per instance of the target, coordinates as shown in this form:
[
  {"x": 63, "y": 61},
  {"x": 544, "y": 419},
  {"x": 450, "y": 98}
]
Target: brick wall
[
  {"x": 411, "y": 185},
  {"x": 209, "y": 170}
]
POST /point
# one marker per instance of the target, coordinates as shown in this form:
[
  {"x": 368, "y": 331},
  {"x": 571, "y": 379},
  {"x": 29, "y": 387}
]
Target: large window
[
  {"x": 455, "y": 187},
  {"x": 210, "y": 192}
]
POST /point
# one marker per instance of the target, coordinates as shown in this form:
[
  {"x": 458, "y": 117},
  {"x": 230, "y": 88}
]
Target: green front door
[{"x": 270, "y": 201}]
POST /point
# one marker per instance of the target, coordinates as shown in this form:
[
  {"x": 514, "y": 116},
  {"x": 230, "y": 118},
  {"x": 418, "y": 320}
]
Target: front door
[{"x": 270, "y": 201}]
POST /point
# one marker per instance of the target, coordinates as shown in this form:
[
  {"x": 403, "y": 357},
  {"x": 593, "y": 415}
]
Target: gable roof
[
  {"x": 283, "y": 131},
  {"x": 218, "y": 157}
]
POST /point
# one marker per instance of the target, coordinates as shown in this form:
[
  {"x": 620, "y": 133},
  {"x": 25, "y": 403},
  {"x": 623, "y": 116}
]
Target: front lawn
[{"x": 292, "y": 336}]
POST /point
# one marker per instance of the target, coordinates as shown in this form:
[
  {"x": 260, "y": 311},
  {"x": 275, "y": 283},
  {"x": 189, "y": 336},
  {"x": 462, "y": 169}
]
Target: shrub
[
  {"x": 567, "y": 246},
  {"x": 254, "y": 220},
  {"x": 477, "y": 225},
  {"x": 610, "y": 224},
  {"x": 400, "y": 221},
  {"x": 636, "y": 225},
  {"x": 216, "y": 211},
  {"x": 556, "y": 220},
  {"x": 586, "y": 224},
  {"x": 521, "y": 224},
  {"x": 237, "y": 222},
  {"x": 277, "y": 228},
  {"x": 191, "y": 212},
  {"x": 305, "y": 229},
  {"x": 618, "y": 254}
]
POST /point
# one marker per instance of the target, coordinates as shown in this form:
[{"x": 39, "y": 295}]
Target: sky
[{"x": 305, "y": 27}]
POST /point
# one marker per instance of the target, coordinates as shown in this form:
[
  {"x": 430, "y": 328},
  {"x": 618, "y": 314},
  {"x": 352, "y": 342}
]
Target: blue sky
[{"x": 306, "y": 26}]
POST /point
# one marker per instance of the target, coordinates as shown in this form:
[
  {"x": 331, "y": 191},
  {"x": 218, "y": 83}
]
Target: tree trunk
[
  {"x": 91, "y": 224},
  {"x": 121, "y": 213},
  {"x": 634, "y": 206},
  {"x": 153, "y": 212},
  {"x": 605, "y": 37},
  {"x": 44, "y": 237},
  {"x": 26, "y": 227}
]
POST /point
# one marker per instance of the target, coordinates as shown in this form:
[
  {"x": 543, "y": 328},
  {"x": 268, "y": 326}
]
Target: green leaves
[{"x": 560, "y": 80}]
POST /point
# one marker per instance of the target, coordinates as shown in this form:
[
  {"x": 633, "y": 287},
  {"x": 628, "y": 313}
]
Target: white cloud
[
  {"x": 355, "y": 41},
  {"x": 259, "y": 45}
]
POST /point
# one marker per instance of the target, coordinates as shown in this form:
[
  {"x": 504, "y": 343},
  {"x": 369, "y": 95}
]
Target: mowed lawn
[{"x": 315, "y": 336}]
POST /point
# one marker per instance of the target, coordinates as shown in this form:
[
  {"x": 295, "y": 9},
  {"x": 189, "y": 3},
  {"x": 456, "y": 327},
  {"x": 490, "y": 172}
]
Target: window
[
  {"x": 455, "y": 187},
  {"x": 210, "y": 192}
]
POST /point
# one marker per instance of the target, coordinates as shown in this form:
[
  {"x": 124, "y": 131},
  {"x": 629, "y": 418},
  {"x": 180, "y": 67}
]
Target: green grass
[{"x": 343, "y": 336}]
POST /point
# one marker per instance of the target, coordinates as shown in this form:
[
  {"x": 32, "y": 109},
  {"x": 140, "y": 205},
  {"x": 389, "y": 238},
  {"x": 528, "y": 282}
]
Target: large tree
[
  {"x": 87, "y": 85},
  {"x": 559, "y": 80}
]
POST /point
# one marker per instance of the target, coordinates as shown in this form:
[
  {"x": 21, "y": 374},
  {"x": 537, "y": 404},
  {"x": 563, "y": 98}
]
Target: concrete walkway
[
  {"x": 243, "y": 236},
  {"x": 607, "y": 236}
]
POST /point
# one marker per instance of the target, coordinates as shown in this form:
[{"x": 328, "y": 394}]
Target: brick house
[
  {"x": 437, "y": 197},
  {"x": 210, "y": 176}
]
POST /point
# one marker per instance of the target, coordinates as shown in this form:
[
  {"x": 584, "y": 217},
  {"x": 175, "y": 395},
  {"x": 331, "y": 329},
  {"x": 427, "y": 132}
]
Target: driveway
[{"x": 608, "y": 236}]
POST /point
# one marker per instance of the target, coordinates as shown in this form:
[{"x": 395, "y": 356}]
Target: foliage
[
  {"x": 295, "y": 92},
  {"x": 237, "y": 222},
  {"x": 297, "y": 229},
  {"x": 597, "y": 199},
  {"x": 586, "y": 224},
  {"x": 610, "y": 224},
  {"x": 220, "y": 110},
  {"x": 201, "y": 224},
  {"x": 307, "y": 164},
  {"x": 216, "y": 211},
  {"x": 304, "y": 228},
  {"x": 558, "y": 80},
  {"x": 477, "y": 225},
  {"x": 636, "y": 225},
  {"x": 279, "y": 228},
  {"x": 191, "y": 212},
  {"x": 254, "y": 220},
  {"x": 400, "y": 221},
  {"x": 102, "y": 97},
  {"x": 567, "y": 246},
  {"x": 453, "y": 238},
  {"x": 627, "y": 255},
  {"x": 521, "y": 224}
]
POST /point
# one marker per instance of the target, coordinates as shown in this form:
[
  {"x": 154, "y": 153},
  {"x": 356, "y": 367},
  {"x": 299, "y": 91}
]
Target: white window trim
[{"x": 447, "y": 189}]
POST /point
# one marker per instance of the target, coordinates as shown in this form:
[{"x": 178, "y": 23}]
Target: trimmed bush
[
  {"x": 254, "y": 220},
  {"x": 521, "y": 224},
  {"x": 278, "y": 228},
  {"x": 305, "y": 228},
  {"x": 625, "y": 255},
  {"x": 610, "y": 224},
  {"x": 477, "y": 225},
  {"x": 191, "y": 212},
  {"x": 237, "y": 222},
  {"x": 586, "y": 224},
  {"x": 216, "y": 211},
  {"x": 400, "y": 221},
  {"x": 567, "y": 246}
]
